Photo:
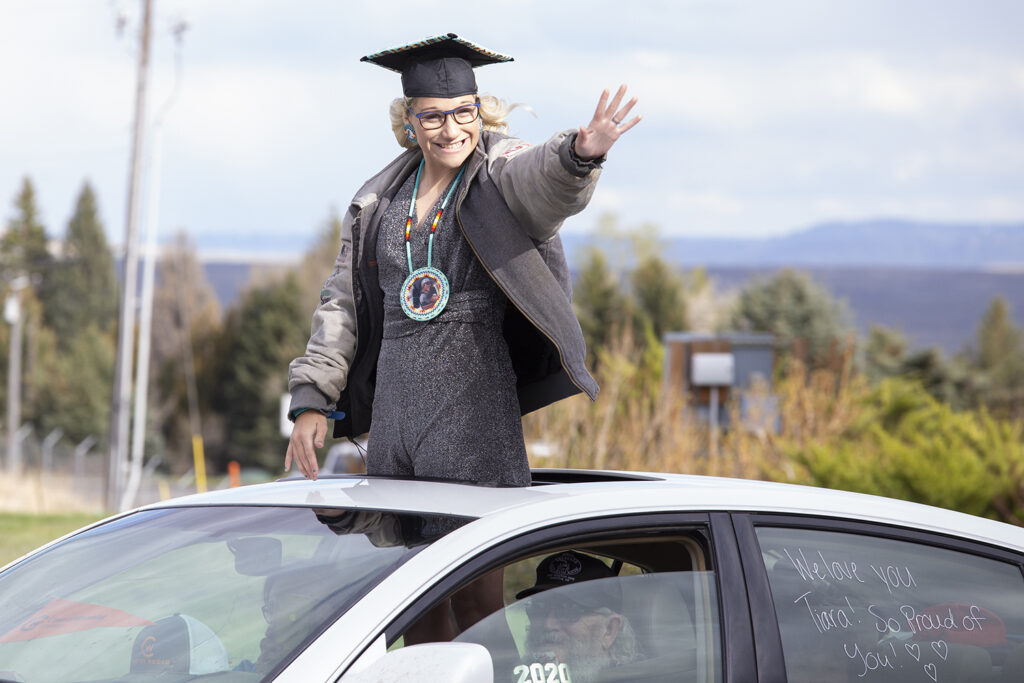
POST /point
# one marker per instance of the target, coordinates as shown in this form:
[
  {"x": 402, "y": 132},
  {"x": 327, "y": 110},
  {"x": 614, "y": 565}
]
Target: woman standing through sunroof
[
  {"x": 447, "y": 315},
  {"x": 470, "y": 216}
]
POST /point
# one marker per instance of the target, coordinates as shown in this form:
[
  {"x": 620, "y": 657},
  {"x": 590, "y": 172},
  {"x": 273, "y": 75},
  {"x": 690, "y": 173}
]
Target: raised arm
[{"x": 545, "y": 184}]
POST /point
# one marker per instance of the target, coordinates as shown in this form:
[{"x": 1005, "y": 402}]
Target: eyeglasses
[{"x": 467, "y": 113}]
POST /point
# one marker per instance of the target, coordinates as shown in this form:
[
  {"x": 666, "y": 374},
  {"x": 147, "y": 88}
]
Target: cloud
[
  {"x": 243, "y": 117},
  {"x": 876, "y": 86},
  {"x": 737, "y": 92},
  {"x": 757, "y": 116}
]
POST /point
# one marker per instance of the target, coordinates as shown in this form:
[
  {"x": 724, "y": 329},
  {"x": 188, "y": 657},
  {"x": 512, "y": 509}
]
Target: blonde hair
[{"x": 492, "y": 112}]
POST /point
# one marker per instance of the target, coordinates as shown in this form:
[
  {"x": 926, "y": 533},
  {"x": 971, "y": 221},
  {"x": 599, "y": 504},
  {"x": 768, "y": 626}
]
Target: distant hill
[
  {"x": 876, "y": 243},
  {"x": 228, "y": 280},
  {"x": 931, "y": 281},
  {"x": 931, "y": 307}
]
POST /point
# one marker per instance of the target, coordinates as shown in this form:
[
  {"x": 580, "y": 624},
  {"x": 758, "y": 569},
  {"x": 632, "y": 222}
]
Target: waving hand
[{"x": 609, "y": 122}]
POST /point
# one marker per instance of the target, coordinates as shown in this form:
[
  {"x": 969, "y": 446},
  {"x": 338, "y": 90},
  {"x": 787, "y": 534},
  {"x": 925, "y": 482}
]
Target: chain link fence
[{"x": 58, "y": 476}]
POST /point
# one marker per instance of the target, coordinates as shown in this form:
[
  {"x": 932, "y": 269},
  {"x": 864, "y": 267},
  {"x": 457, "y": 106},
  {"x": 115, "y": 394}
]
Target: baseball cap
[
  {"x": 569, "y": 568},
  {"x": 178, "y": 644}
]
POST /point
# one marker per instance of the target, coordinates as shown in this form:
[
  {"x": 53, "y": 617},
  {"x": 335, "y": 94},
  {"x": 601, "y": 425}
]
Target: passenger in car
[{"x": 581, "y": 628}]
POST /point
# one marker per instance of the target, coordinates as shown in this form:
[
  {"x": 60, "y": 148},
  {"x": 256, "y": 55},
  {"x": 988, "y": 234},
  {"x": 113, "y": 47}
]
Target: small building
[{"x": 709, "y": 369}]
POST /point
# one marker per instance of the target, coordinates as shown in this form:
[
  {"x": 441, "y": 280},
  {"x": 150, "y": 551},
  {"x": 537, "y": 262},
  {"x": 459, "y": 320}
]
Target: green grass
[{"x": 20, "y": 533}]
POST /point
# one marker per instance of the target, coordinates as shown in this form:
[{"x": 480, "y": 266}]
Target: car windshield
[{"x": 174, "y": 594}]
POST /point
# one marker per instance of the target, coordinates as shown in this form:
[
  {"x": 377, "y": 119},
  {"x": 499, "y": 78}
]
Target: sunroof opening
[
  {"x": 539, "y": 477},
  {"x": 543, "y": 476}
]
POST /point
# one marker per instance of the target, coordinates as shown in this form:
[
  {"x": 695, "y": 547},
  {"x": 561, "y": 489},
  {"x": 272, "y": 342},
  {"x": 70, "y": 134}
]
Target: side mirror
[{"x": 429, "y": 663}]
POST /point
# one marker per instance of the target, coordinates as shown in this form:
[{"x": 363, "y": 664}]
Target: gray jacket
[{"x": 513, "y": 201}]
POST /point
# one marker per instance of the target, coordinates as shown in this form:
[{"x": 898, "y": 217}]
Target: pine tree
[
  {"x": 999, "y": 340},
  {"x": 659, "y": 291},
  {"x": 260, "y": 338},
  {"x": 24, "y": 258},
  {"x": 660, "y": 294},
  {"x": 884, "y": 353},
  {"x": 999, "y": 359},
  {"x": 24, "y": 244},
  {"x": 81, "y": 288},
  {"x": 73, "y": 386},
  {"x": 801, "y": 314},
  {"x": 70, "y": 382},
  {"x": 600, "y": 304}
]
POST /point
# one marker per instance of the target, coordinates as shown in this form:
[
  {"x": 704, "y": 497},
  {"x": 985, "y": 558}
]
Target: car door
[
  {"x": 848, "y": 601},
  {"x": 678, "y": 600}
]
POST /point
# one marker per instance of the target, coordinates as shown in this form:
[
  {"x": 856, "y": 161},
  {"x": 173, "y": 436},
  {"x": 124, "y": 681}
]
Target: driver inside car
[
  {"x": 578, "y": 625},
  {"x": 294, "y": 606}
]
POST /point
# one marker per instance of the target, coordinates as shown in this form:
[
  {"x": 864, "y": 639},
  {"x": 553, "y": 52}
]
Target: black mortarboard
[{"x": 441, "y": 66}]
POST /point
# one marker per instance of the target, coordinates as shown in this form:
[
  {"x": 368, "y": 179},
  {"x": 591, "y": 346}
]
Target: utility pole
[
  {"x": 138, "y": 434},
  {"x": 120, "y": 404}
]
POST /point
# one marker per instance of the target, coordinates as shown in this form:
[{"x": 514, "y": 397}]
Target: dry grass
[
  {"x": 51, "y": 493},
  {"x": 634, "y": 425}
]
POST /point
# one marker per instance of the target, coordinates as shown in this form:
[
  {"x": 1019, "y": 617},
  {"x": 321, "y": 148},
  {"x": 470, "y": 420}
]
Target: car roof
[{"x": 565, "y": 494}]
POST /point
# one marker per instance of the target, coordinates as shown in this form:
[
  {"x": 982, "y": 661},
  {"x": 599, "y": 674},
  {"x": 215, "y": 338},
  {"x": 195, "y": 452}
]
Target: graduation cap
[{"x": 441, "y": 66}]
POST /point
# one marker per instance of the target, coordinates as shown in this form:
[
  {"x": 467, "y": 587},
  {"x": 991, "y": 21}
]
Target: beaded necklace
[{"x": 425, "y": 292}]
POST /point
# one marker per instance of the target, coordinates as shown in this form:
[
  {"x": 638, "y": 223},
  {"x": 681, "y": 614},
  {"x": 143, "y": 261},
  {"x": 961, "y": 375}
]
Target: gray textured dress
[{"x": 445, "y": 404}]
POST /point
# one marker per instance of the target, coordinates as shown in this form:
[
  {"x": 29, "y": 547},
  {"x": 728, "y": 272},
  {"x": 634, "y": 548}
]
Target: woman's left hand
[{"x": 609, "y": 122}]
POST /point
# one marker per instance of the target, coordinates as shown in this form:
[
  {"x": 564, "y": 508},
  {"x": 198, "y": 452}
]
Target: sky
[{"x": 761, "y": 117}]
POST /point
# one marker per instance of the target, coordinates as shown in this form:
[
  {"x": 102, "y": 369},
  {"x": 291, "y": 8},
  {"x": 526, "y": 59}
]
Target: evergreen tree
[
  {"x": 24, "y": 244},
  {"x": 943, "y": 380},
  {"x": 73, "y": 386},
  {"x": 660, "y": 294},
  {"x": 999, "y": 341},
  {"x": 802, "y": 315},
  {"x": 887, "y": 356},
  {"x": 260, "y": 338},
  {"x": 24, "y": 257},
  {"x": 884, "y": 353},
  {"x": 81, "y": 288},
  {"x": 600, "y": 304},
  {"x": 999, "y": 359},
  {"x": 659, "y": 291}
]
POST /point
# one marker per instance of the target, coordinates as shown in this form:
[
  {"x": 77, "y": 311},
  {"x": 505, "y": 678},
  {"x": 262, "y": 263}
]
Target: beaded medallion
[{"x": 424, "y": 293}]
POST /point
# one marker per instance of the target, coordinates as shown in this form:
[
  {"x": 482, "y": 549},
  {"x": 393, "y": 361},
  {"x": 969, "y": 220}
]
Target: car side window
[
  {"x": 640, "y": 627},
  {"x": 854, "y": 607},
  {"x": 618, "y": 611}
]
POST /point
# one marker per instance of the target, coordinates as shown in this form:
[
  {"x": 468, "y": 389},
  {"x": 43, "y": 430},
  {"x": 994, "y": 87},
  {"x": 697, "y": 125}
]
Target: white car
[{"x": 585, "y": 576}]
